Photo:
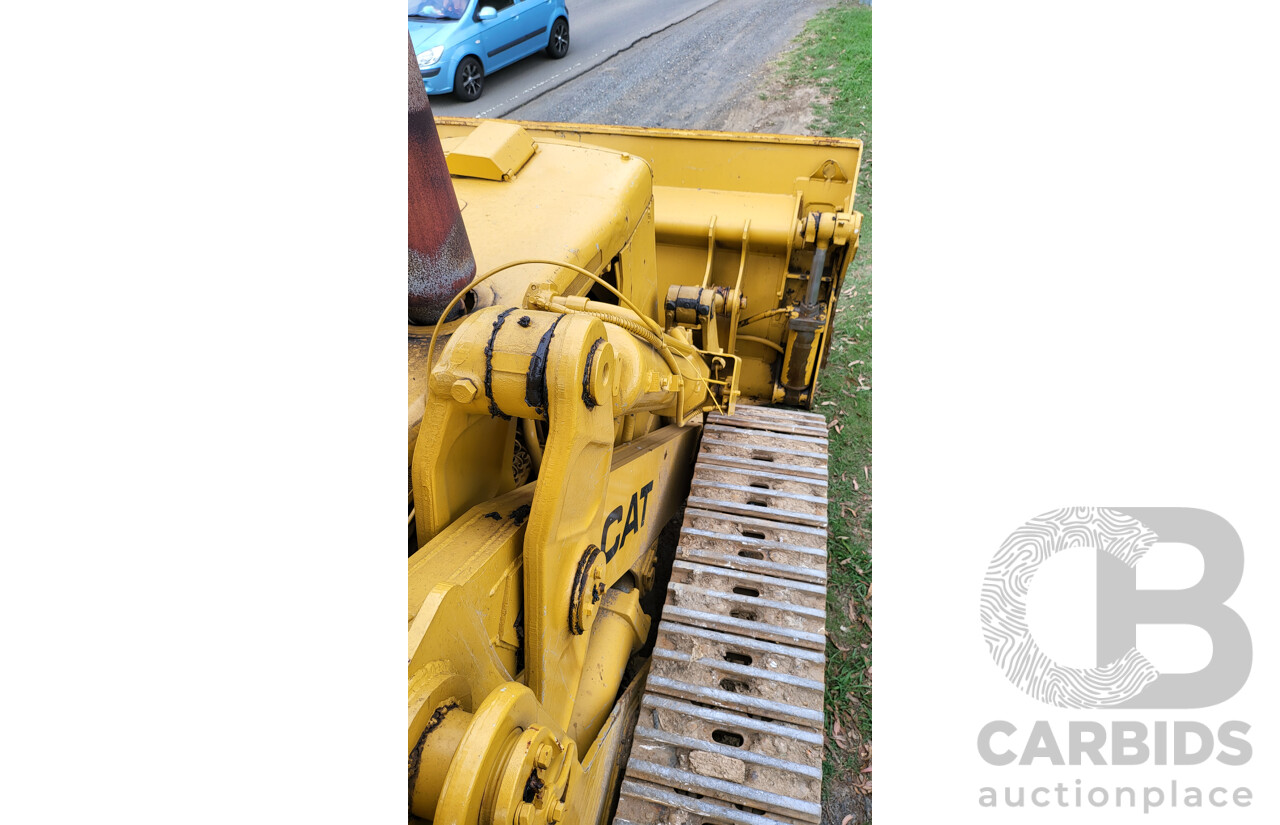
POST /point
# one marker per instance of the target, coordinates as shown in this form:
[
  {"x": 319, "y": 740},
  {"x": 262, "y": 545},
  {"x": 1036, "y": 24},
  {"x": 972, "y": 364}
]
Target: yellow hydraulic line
[
  {"x": 435, "y": 332},
  {"x": 531, "y": 442},
  {"x": 629, "y": 326},
  {"x": 753, "y": 339},
  {"x": 760, "y": 316},
  {"x": 737, "y": 286}
]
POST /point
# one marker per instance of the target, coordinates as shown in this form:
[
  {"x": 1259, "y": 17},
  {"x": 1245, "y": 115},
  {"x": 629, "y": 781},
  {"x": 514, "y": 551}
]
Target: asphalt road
[
  {"x": 698, "y": 74},
  {"x": 598, "y": 29}
]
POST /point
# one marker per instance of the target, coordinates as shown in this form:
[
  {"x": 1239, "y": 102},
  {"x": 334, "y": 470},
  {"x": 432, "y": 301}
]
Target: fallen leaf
[
  {"x": 847, "y": 819},
  {"x": 837, "y": 733},
  {"x": 836, "y": 642}
]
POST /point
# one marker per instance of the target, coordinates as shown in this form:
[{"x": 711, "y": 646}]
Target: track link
[{"x": 730, "y": 728}]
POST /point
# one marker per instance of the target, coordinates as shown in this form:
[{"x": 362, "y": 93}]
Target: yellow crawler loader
[{"x": 617, "y": 495}]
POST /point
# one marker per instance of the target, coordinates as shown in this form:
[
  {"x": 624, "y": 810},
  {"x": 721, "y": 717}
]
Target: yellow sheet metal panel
[
  {"x": 576, "y": 204},
  {"x": 694, "y": 158},
  {"x": 496, "y": 150},
  {"x": 683, "y": 216}
]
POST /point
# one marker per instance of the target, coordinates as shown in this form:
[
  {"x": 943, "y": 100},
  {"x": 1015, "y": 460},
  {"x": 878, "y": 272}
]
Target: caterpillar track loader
[{"x": 617, "y": 495}]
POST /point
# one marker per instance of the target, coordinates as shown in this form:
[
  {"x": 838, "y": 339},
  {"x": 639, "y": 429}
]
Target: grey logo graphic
[{"x": 1124, "y": 677}]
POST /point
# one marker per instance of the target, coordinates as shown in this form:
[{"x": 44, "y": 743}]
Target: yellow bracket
[{"x": 711, "y": 251}]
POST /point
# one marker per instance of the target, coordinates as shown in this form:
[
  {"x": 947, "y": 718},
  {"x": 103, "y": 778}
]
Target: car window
[
  {"x": 498, "y": 5},
  {"x": 438, "y": 9}
]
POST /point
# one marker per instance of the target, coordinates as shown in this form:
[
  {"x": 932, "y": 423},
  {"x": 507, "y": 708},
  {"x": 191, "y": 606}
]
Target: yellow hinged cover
[{"x": 494, "y": 151}]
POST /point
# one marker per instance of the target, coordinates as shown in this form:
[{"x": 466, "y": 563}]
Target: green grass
[{"x": 834, "y": 53}]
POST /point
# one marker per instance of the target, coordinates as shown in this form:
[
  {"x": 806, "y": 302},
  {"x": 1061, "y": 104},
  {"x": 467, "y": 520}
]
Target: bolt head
[
  {"x": 543, "y": 759},
  {"x": 556, "y": 811},
  {"x": 463, "y": 390}
]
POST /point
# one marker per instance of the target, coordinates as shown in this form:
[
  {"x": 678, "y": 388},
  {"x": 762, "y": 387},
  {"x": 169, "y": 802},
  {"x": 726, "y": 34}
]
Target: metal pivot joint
[{"x": 588, "y": 589}]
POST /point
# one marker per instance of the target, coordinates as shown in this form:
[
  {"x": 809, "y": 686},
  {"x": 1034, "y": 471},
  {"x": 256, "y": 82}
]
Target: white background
[
  {"x": 1076, "y": 288},
  {"x": 204, "y": 364}
]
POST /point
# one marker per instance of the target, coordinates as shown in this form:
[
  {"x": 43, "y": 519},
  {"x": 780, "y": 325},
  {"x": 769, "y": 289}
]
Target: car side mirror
[{"x": 487, "y": 13}]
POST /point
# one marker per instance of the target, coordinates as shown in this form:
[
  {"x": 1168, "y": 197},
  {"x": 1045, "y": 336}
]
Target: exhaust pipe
[{"x": 441, "y": 263}]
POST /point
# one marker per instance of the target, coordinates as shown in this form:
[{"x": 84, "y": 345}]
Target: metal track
[{"x": 730, "y": 727}]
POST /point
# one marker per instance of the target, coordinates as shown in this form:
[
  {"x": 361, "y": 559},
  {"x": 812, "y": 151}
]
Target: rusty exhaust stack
[{"x": 440, "y": 259}]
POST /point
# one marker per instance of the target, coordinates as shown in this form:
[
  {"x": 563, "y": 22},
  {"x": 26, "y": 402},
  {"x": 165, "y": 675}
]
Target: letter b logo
[{"x": 1124, "y": 677}]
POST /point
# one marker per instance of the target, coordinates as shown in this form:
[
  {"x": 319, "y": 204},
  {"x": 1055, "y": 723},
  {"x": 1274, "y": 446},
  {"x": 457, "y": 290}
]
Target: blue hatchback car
[{"x": 459, "y": 42}]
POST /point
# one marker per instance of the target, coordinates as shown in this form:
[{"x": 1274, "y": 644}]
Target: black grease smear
[
  {"x": 586, "y": 375},
  {"x": 438, "y": 716},
  {"x": 520, "y": 514},
  {"x": 415, "y": 756},
  {"x": 694, "y": 304},
  {"x": 579, "y": 584},
  {"x": 488, "y": 366},
  {"x": 496, "y": 516},
  {"x": 535, "y": 385},
  {"x": 533, "y": 787}
]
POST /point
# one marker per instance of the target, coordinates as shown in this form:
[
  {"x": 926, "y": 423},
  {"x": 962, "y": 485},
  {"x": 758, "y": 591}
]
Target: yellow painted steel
[
  {"x": 621, "y": 630},
  {"x": 726, "y": 207},
  {"x": 633, "y": 279},
  {"x": 494, "y": 151}
]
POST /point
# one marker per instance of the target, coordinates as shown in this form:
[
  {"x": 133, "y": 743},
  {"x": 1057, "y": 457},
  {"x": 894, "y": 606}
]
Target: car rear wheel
[
  {"x": 468, "y": 83},
  {"x": 558, "y": 45}
]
